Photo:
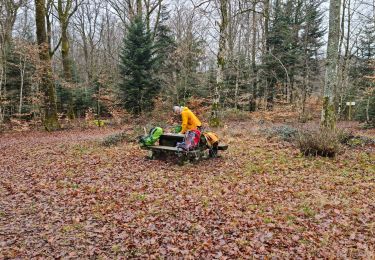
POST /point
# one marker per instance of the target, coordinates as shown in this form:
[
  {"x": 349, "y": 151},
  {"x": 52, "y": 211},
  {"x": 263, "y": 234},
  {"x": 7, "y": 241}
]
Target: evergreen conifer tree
[
  {"x": 311, "y": 42},
  {"x": 312, "y": 34},
  {"x": 164, "y": 42},
  {"x": 294, "y": 39},
  {"x": 164, "y": 49},
  {"x": 138, "y": 87},
  {"x": 282, "y": 61},
  {"x": 363, "y": 76},
  {"x": 367, "y": 43}
]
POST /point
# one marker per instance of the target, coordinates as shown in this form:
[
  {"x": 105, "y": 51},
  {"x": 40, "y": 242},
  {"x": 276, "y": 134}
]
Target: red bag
[{"x": 191, "y": 140}]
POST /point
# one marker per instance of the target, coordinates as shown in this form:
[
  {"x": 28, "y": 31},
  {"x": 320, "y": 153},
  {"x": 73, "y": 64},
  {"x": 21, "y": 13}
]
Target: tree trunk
[
  {"x": 266, "y": 24},
  {"x": 253, "y": 99},
  {"x": 22, "y": 75},
  {"x": 64, "y": 13},
  {"x": 291, "y": 89},
  {"x": 288, "y": 93},
  {"x": 221, "y": 61},
  {"x": 87, "y": 61},
  {"x": 139, "y": 8},
  {"x": 237, "y": 66},
  {"x": 270, "y": 92},
  {"x": 65, "y": 47},
  {"x": 367, "y": 110},
  {"x": 49, "y": 26},
  {"x": 67, "y": 67},
  {"x": 1, "y": 79},
  {"x": 270, "y": 82},
  {"x": 65, "y": 10},
  {"x": 48, "y": 87},
  {"x": 305, "y": 72},
  {"x": 343, "y": 74},
  {"x": 1, "y": 87},
  {"x": 305, "y": 88},
  {"x": 157, "y": 21},
  {"x": 328, "y": 119}
]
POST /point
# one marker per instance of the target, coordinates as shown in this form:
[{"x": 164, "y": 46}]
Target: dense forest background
[{"x": 114, "y": 58}]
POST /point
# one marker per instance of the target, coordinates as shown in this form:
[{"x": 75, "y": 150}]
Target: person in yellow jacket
[{"x": 189, "y": 120}]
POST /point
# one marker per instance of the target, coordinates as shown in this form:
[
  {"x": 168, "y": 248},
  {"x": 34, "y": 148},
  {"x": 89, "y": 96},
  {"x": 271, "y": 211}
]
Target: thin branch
[
  {"x": 199, "y": 5},
  {"x": 75, "y": 8},
  {"x": 282, "y": 65},
  {"x": 248, "y": 10}
]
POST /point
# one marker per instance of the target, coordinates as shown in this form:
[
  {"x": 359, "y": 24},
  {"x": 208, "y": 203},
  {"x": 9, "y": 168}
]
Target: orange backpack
[{"x": 211, "y": 138}]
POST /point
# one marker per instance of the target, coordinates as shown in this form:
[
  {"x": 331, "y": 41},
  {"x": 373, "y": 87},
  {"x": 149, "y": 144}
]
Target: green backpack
[
  {"x": 152, "y": 137},
  {"x": 177, "y": 129}
]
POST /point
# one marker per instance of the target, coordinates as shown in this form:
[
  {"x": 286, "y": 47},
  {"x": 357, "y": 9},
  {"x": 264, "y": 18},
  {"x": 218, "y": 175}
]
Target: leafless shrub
[{"x": 324, "y": 143}]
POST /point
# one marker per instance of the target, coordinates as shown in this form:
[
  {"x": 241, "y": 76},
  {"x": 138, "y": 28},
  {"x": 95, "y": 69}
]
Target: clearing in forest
[{"x": 65, "y": 195}]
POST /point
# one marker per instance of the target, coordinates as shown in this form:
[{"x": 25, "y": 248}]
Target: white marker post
[{"x": 350, "y": 104}]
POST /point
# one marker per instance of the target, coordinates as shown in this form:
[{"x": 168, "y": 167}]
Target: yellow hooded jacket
[{"x": 189, "y": 120}]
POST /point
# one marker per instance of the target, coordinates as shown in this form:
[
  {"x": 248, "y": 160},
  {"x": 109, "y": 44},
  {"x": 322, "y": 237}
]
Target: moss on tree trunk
[
  {"x": 215, "y": 119},
  {"x": 328, "y": 114},
  {"x": 50, "y": 119},
  {"x": 328, "y": 111},
  {"x": 221, "y": 61},
  {"x": 65, "y": 55}
]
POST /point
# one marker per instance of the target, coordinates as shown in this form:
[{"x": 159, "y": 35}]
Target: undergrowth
[
  {"x": 116, "y": 138},
  {"x": 323, "y": 142},
  {"x": 235, "y": 115},
  {"x": 284, "y": 132},
  {"x": 318, "y": 142}
]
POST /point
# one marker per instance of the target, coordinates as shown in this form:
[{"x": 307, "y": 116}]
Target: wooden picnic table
[
  {"x": 171, "y": 139},
  {"x": 168, "y": 145}
]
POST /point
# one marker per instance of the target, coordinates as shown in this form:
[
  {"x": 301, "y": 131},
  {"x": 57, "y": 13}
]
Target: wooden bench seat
[
  {"x": 221, "y": 147},
  {"x": 163, "y": 147}
]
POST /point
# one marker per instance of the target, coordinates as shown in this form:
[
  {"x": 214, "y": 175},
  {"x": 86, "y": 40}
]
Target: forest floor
[{"x": 64, "y": 194}]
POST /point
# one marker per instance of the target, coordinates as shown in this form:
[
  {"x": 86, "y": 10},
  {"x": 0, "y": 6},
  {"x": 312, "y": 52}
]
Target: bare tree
[
  {"x": 151, "y": 7},
  {"x": 48, "y": 87},
  {"x": 124, "y": 10},
  {"x": 87, "y": 23},
  {"x": 8, "y": 16},
  {"x": 253, "y": 104},
  {"x": 65, "y": 10}
]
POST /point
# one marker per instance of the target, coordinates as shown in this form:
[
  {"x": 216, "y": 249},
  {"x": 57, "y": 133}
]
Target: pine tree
[
  {"x": 363, "y": 76},
  {"x": 138, "y": 87},
  {"x": 283, "y": 59},
  {"x": 311, "y": 42},
  {"x": 312, "y": 33},
  {"x": 293, "y": 42},
  {"x": 367, "y": 43},
  {"x": 164, "y": 43},
  {"x": 164, "y": 49}
]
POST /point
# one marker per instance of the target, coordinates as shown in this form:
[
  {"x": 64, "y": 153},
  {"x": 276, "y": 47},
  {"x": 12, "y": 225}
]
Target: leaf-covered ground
[{"x": 65, "y": 195}]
